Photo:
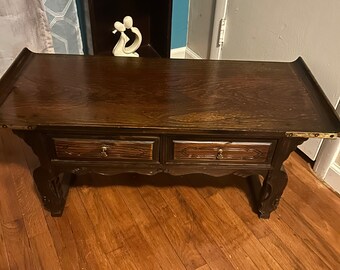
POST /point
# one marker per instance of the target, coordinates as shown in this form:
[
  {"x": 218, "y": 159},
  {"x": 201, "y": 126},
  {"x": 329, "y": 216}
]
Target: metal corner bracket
[{"x": 319, "y": 135}]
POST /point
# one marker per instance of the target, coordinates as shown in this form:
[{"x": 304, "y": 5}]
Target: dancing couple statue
[{"x": 120, "y": 49}]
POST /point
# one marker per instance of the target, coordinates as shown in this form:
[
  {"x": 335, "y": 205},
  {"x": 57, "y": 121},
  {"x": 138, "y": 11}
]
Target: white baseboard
[
  {"x": 178, "y": 53},
  {"x": 190, "y": 54},
  {"x": 332, "y": 178},
  {"x": 184, "y": 52}
]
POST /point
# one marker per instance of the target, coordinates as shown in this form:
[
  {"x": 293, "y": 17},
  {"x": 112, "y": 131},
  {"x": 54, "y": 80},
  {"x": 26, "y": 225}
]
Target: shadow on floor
[{"x": 249, "y": 186}]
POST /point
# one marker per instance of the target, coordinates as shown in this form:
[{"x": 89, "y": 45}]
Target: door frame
[
  {"x": 325, "y": 166},
  {"x": 219, "y": 14}
]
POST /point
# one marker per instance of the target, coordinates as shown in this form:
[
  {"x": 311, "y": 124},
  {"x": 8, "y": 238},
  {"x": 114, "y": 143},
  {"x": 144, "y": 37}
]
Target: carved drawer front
[
  {"x": 145, "y": 149},
  {"x": 221, "y": 151}
]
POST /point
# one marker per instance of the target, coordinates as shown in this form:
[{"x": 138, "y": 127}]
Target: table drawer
[
  {"x": 144, "y": 149},
  {"x": 223, "y": 151}
]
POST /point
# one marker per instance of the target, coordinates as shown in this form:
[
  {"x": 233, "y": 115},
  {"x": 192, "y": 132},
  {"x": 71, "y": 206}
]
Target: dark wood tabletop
[{"x": 69, "y": 90}]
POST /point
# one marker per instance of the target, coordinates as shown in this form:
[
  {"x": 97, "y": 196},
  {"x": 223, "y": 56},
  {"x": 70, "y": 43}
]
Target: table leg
[
  {"x": 53, "y": 189},
  {"x": 276, "y": 180},
  {"x": 52, "y": 184},
  {"x": 271, "y": 191}
]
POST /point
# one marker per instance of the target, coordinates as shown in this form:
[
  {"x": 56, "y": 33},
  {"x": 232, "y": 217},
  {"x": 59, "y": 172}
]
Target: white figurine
[{"x": 120, "y": 49}]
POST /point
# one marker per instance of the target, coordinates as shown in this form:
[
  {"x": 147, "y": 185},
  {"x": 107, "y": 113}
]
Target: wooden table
[{"x": 110, "y": 115}]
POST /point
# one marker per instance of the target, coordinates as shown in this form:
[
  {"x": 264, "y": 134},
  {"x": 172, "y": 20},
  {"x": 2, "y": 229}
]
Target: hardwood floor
[{"x": 164, "y": 222}]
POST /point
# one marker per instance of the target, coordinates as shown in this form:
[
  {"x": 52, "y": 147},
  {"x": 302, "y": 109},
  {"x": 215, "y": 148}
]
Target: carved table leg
[
  {"x": 53, "y": 189},
  {"x": 271, "y": 192},
  {"x": 52, "y": 185},
  {"x": 276, "y": 180}
]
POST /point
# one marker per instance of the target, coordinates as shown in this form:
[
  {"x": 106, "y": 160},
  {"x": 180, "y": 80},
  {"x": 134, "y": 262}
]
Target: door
[{"x": 205, "y": 17}]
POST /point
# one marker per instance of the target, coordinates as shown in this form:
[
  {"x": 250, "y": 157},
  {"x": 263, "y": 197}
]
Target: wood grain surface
[
  {"x": 222, "y": 151},
  {"x": 113, "y": 149},
  {"x": 164, "y": 222},
  {"x": 65, "y": 90}
]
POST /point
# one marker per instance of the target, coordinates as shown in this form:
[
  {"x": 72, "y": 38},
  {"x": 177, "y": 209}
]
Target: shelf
[{"x": 151, "y": 17}]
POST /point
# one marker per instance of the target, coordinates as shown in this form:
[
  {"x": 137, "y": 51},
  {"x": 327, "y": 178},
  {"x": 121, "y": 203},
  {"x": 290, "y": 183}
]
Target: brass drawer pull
[
  {"x": 219, "y": 154},
  {"x": 104, "y": 153}
]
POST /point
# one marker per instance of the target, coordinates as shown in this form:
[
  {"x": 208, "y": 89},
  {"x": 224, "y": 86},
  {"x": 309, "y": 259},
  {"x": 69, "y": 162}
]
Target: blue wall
[{"x": 180, "y": 11}]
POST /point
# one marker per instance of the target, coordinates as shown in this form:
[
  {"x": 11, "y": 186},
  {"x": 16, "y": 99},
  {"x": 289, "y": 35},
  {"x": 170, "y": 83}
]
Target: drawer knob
[
  {"x": 104, "y": 153},
  {"x": 219, "y": 154}
]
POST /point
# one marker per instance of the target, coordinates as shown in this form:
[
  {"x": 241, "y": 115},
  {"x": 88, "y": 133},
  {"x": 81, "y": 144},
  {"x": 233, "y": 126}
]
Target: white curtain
[
  {"x": 23, "y": 23},
  {"x": 64, "y": 24}
]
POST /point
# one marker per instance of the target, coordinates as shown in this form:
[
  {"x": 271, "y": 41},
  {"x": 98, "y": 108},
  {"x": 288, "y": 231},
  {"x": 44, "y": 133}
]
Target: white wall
[{"x": 282, "y": 30}]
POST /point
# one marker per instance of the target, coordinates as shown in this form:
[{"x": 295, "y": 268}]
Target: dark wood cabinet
[
  {"x": 151, "y": 17},
  {"x": 110, "y": 115}
]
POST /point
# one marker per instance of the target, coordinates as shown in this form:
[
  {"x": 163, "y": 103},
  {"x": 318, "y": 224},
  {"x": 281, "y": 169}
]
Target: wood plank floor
[{"x": 164, "y": 222}]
